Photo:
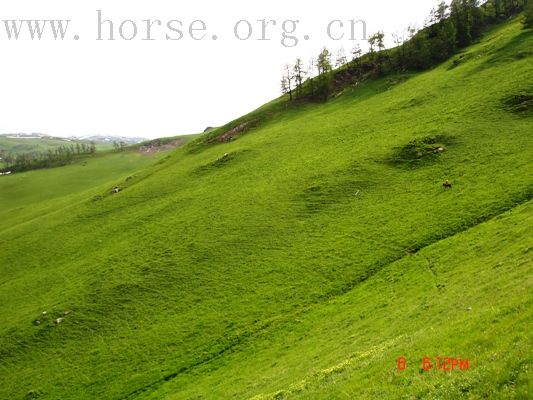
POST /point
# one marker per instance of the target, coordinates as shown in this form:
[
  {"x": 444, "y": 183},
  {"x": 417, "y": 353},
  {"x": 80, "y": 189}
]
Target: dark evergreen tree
[
  {"x": 324, "y": 80},
  {"x": 528, "y": 15}
]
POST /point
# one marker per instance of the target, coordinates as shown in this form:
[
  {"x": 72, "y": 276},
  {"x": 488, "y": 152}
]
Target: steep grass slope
[
  {"x": 466, "y": 297},
  {"x": 226, "y": 269}
]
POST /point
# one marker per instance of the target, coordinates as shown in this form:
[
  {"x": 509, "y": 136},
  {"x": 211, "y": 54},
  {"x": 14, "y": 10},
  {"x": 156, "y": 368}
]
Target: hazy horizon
[{"x": 66, "y": 136}]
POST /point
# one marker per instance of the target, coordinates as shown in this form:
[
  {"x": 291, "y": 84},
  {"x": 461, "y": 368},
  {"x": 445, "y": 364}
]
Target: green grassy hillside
[
  {"x": 468, "y": 297},
  {"x": 27, "y": 195},
  {"x": 42, "y": 145},
  {"x": 17, "y": 146},
  {"x": 300, "y": 259}
]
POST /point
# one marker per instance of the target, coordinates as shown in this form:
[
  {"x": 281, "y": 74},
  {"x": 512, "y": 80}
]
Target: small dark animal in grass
[
  {"x": 116, "y": 189},
  {"x": 447, "y": 185}
]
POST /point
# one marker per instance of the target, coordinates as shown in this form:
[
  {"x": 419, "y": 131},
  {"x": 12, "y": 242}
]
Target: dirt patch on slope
[
  {"x": 233, "y": 133},
  {"x": 156, "y": 147}
]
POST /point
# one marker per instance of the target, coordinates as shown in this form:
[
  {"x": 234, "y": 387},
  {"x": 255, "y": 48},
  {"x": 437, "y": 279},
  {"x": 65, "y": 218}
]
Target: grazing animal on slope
[{"x": 447, "y": 185}]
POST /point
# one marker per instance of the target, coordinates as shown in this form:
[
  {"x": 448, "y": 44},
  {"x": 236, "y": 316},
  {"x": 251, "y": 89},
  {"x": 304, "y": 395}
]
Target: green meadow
[
  {"x": 299, "y": 260},
  {"x": 27, "y": 195},
  {"x": 20, "y": 145}
]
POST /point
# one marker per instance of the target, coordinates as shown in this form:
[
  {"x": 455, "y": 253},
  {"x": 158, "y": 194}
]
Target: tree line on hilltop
[
  {"x": 448, "y": 29},
  {"x": 119, "y": 146}
]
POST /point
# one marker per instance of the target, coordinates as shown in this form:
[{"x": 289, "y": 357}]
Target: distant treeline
[
  {"x": 448, "y": 29},
  {"x": 119, "y": 146},
  {"x": 56, "y": 157}
]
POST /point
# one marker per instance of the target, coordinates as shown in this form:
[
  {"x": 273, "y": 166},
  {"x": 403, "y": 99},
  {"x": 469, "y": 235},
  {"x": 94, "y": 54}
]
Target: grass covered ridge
[{"x": 300, "y": 264}]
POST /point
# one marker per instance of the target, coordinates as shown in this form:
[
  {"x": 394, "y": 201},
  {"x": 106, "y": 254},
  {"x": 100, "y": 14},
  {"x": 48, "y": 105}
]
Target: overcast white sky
[{"x": 165, "y": 87}]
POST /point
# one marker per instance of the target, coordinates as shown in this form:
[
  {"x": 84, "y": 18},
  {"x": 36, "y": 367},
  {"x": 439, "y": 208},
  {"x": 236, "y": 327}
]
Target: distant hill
[
  {"x": 164, "y": 144},
  {"x": 110, "y": 139},
  {"x": 18, "y": 143},
  {"x": 24, "y": 143},
  {"x": 33, "y": 143}
]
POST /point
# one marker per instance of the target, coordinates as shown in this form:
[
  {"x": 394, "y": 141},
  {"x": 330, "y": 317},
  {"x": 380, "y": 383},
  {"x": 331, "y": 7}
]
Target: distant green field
[
  {"x": 19, "y": 145},
  {"x": 298, "y": 260},
  {"x": 26, "y": 195}
]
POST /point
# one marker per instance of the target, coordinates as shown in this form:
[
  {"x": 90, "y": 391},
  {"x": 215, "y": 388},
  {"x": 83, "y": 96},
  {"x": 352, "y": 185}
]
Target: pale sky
[{"x": 166, "y": 87}]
